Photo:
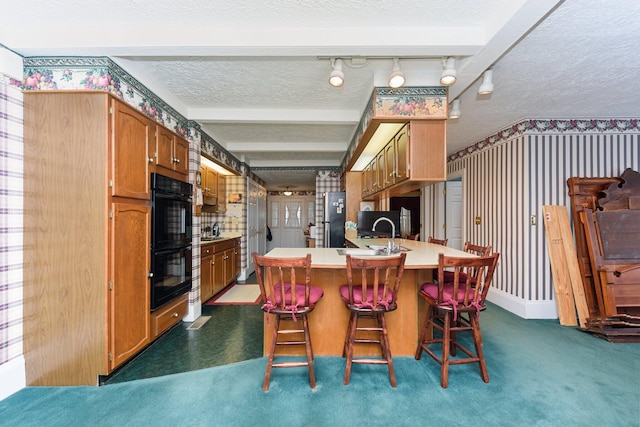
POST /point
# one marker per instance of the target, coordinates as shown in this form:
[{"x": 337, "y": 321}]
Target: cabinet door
[
  {"x": 181, "y": 156},
  {"x": 129, "y": 288},
  {"x": 382, "y": 171},
  {"x": 209, "y": 182},
  {"x": 221, "y": 206},
  {"x": 130, "y": 155},
  {"x": 237, "y": 263},
  {"x": 218, "y": 272},
  {"x": 229, "y": 269},
  {"x": 165, "y": 141},
  {"x": 390, "y": 163},
  {"x": 206, "y": 274},
  {"x": 402, "y": 155}
]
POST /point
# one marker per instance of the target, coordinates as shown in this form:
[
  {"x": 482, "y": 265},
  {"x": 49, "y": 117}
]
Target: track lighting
[
  {"x": 454, "y": 113},
  {"x": 449, "y": 75},
  {"x": 396, "y": 79},
  {"x": 336, "y": 78},
  {"x": 487, "y": 83}
]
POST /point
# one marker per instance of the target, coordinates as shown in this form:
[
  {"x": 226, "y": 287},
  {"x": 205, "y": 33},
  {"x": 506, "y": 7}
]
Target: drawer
[{"x": 168, "y": 315}]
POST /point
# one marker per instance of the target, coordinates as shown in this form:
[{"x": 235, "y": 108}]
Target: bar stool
[
  {"x": 469, "y": 247},
  {"x": 375, "y": 295},
  {"x": 285, "y": 297},
  {"x": 442, "y": 242},
  {"x": 446, "y": 302}
]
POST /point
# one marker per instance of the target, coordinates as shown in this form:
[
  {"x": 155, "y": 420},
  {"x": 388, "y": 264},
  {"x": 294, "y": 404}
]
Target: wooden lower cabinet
[
  {"x": 220, "y": 265},
  {"x": 129, "y": 288},
  {"x": 168, "y": 315},
  {"x": 206, "y": 273}
]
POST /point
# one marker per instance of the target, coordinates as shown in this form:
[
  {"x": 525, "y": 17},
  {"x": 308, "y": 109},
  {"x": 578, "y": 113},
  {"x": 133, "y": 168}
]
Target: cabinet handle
[
  {"x": 174, "y": 315},
  {"x": 176, "y": 160},
  {"x": 150, "y": 275},
  {"x": 150, "y": 159}
]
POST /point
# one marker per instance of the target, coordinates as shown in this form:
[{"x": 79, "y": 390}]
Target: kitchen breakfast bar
[{"x": 329, "y": 319}]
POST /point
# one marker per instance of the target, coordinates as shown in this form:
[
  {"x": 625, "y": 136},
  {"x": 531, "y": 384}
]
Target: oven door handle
[{"x": 172, "y": 251}]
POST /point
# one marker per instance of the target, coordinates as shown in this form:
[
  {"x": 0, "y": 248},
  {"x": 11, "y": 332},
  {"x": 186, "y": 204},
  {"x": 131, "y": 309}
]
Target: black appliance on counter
[
  {"x": 334, "y": 218},
  {"x": 383, "y": 229},
  {"x": 171, "y": 211}
]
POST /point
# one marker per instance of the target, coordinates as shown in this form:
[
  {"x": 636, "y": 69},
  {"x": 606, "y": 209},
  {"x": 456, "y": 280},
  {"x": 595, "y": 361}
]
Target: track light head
[
  {"x": 336, "y": 78},
  {"x": 487, "y": 83},
  {"x": 454, "y": 112},
  {"x": 396, "y": 79},
  {"x": 449, "y": 74}
]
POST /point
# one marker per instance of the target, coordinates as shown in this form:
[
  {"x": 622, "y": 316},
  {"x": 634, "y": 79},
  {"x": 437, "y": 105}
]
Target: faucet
[{"x": 391, "y": 244}]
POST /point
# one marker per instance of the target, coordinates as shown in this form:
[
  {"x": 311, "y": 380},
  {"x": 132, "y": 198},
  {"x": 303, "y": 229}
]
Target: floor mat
[{"x": 238, "y": 295}]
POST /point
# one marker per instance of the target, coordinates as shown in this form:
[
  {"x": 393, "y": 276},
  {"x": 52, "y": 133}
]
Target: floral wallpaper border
[
  {"x": 101, "y": 73},
  {"x": 542, "y": 126}
]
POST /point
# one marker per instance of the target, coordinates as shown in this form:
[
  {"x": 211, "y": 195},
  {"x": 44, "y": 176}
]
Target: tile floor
[{"x": 234, "y": 333}]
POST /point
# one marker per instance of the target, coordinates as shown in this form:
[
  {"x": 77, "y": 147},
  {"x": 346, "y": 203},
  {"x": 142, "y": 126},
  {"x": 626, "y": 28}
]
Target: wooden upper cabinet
[
  {"x": 415, "y": 155},
  {"x": 427, "y": 156},
  {"x": 390, "y": 163},
  {"x": 172, "y": 152},
  {"x": 221, "y": 205},
  {"x": 382, "y": 171},
  {"x": 130, "y": 154},
  {"x": 400, "y": 144},
  {"x": 209, "y": 182}
]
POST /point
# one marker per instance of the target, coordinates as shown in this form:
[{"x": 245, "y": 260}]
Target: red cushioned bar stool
[{"x": 287, "y": 293}]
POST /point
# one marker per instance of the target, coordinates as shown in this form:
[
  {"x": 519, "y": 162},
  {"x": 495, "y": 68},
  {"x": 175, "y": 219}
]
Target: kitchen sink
[
  {"x": 384, "y": 248},
  {"x": 358, "y": 252}
]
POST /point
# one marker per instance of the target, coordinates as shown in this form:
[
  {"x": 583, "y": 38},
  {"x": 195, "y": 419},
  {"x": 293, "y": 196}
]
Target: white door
[
  {"x": 453, "y": 213},
  {"x": 289, "y": 217},
  {"x": 262, "y": 221},
  {"x": 252, "y": 224}
]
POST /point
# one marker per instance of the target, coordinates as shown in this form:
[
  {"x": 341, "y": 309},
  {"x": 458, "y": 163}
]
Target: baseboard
[
  {"x": 12, "y": 377},
  {"x": 523, "y": 308}
]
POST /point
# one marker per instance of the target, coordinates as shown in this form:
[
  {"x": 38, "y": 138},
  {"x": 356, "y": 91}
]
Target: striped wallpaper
[
  {"x": 507, "y": 182},
  {"x": 11, "y": 225}
]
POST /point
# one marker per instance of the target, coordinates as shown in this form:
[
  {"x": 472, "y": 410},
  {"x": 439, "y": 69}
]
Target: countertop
[
  {"x": 223, "y": 237},
  {"x": 420, "y": 254}
]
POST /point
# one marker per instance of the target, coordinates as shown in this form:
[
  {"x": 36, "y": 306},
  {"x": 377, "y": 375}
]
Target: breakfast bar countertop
[{"x": 420, "y": 255}]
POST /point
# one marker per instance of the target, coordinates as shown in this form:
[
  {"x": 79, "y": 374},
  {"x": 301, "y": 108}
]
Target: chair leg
[
  {"x": 272, "y": 351},
  {"x": 346, "y": 335},
  {"x": 386, "y": 349},
  {"x": 446, "y": 342},
  {"x": 351, "y": 334},
  {"x": 307, "y": 342},
  {"x": 428, "y": 319},
  {"x": 477, "y": 340}
]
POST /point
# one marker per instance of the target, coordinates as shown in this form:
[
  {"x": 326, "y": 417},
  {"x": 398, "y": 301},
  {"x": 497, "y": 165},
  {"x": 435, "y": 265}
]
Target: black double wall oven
[{"x": 171, "y": 209}]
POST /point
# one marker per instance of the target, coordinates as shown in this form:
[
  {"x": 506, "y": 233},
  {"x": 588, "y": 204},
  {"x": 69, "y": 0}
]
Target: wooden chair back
[
  {"x": 276, "y": 278},
  {"x": 377, "y": 276},
  {"x": 477, "y": 250},
  {"x": 442, "y": 242},
  {"x": 413, "y": 236},
  {"x": 471, "y": 291}
]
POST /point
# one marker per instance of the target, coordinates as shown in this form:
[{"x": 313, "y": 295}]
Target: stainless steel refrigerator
[{"x": 334, "y": 219}]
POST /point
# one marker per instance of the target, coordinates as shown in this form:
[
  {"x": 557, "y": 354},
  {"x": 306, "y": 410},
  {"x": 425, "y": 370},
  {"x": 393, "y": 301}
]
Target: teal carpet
[{"x": 542, "y": 374}]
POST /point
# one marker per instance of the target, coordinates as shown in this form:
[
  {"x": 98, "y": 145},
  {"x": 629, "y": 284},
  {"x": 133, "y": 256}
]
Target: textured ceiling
[{"x": 254, "y": 74}]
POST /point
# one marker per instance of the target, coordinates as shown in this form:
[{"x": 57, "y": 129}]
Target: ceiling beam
[{"x": 243, "y": 115}]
